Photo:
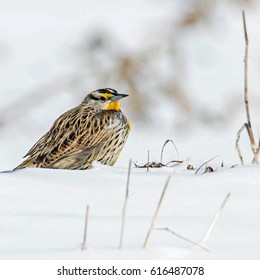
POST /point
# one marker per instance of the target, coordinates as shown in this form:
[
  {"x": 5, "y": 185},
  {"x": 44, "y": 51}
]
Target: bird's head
[{"x": 104, "y": 99}]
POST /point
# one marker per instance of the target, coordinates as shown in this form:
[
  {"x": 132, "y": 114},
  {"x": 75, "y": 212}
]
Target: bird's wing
[
  {"x": 73, "y": 160},
  {"x": 78, "y": 128}
]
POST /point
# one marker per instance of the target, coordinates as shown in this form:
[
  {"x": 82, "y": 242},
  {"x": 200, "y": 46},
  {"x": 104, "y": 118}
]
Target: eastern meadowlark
[{"x": 94, "y": 130}]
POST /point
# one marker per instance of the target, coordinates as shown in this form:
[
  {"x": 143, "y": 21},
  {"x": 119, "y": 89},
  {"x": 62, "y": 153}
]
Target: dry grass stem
[
  {"x": 183, "y": 238},
  {"x": 215, "y": 219},
  {"x": 247, "y": 125},
  {"x": 155, "y": 164},
  {"x": 246, "y": 69},
  {"x": 84, "y": 244},
  {"x": 256, "y": 155},
  {"x": 205, "y": 164},
  {"x": 148, "y": 160},
  {"x": 125, "y": 204},
  {"x": 165, "y": 143},
  {"x": 156, "y": 212},
  {"x": 237, "y": 143}
]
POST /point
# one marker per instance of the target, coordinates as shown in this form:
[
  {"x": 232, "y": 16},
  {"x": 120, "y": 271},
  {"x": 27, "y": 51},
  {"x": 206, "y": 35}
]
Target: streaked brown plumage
[{"x": 94, "y": 130}]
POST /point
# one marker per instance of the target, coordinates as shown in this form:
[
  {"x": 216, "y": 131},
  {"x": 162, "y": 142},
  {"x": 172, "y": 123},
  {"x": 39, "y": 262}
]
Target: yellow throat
[{"x": 114, "y": 105}]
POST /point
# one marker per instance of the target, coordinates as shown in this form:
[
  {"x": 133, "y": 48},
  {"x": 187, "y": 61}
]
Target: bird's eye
[{"x": 102, "y": 98}]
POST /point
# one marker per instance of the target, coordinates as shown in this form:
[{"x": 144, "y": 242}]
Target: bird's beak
[{"x": 118, "y": 96}]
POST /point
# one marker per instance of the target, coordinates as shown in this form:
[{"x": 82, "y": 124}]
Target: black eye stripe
[
  {"x": 102, "y": 98},
  {"x": 94, "y": 97}
]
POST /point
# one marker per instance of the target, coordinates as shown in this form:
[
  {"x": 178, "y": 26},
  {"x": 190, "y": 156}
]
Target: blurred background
[{"x": 181, "y": 62}]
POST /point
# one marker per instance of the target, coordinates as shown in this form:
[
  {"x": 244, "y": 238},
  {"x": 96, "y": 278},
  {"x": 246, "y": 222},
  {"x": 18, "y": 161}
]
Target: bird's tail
[{"x": 27, "y": 163}]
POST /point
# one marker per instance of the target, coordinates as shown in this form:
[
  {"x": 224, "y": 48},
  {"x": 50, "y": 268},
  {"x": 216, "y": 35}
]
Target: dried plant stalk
[
  {"x": 125, "y": 204},
  {"x": 247, "y": 125},
  {"x": 183, "y": 238},
  {"x": 256, "y": 156},
  {"x": 84, "y": 244},
  {"x": 148, "y": 157},
  {"x": 215, "y": 219},
  {"x": 156, "y": 212},
  {"x": 205, "y": 164},
  {"x": 165, "y": 143},
  {"x": 237, "y": 143}
]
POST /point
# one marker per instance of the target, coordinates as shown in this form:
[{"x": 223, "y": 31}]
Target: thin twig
[
  {"x": 84, "y": 244},
  {"x": 156, "y": 212},
  {"x": 246, "y": 70},
  {"x": 183, "y": 238},
  {"x": 165, "y": 143},
  {"x": 215, "y": 219},
  {"x": 174, "y": 161},
  {"x": 148, "y": 155},
  {"x": 125, "y": 204},
  {"x": 249, "y": 127},
  {"x": 255, "y": 159},
  {"x": 205, "y": 163},
  {"x": 237, "y": 143}
]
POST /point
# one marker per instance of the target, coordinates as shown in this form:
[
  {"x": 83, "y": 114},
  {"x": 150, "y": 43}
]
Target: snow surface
[{"x": 42, "y": 211}]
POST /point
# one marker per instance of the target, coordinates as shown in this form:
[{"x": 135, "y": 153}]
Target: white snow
[{"x": 42, "y": 211}]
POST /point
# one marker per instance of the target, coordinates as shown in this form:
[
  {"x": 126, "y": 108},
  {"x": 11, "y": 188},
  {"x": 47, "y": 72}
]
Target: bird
[{"x": 95, "y": 130}]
